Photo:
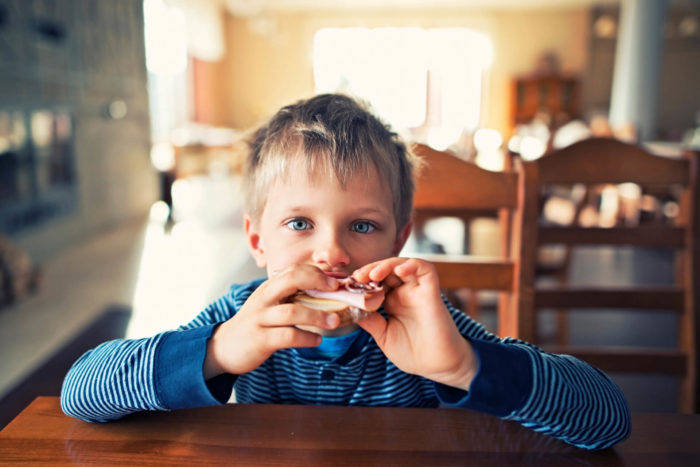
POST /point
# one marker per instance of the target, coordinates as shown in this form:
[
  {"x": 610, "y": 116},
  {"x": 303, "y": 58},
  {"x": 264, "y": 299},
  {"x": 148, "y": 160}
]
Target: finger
[
  {"x": 292, "y": 314},
  {"x": 363, "y": 275},
  {"x": 394, "y": 272},
  {"x": 286, "y": 336},
  {"x": 378, "y": 271},
  {"x": 408, "y": 271},
  {"x": 295, "y": 278},
  {"x": 414, "y": 270},
  {"x": 392, "y": 281},
  {"x": 375, "y": 325}
]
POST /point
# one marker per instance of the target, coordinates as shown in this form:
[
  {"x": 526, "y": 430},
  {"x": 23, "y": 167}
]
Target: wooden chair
[
  {"x": 449, "y": 186},
  {"x": 606, "y": 161}
]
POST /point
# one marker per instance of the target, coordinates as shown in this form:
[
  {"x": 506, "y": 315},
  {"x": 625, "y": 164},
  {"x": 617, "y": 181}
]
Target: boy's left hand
[{"x": 419, "y": 336}]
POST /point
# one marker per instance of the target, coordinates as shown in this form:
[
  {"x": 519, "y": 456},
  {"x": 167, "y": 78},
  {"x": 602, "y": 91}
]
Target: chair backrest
[
  {"x": 449, "y": 186},
  {"x": 598, "y": 161}
]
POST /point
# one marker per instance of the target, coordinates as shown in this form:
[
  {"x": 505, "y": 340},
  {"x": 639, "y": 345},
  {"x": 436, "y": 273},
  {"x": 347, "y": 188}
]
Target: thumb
[{"x": 375, "y": 325}]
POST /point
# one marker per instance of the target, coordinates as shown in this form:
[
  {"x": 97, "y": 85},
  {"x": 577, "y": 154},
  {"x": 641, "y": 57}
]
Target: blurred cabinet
[
  {"x": 558, "y": 96},
  {"x": 200, "y": 159}
]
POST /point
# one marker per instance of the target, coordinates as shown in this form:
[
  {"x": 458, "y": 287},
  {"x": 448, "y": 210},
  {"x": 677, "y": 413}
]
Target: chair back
[
  {"x": 600, "y": 161},
  {"x": 449, "y": 186}
]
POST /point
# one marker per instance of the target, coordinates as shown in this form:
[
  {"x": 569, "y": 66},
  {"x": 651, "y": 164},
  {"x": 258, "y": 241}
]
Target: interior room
[{"x": 123, "y": 126}]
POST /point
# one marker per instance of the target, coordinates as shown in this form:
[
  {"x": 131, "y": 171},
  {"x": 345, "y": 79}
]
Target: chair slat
[
  {"x": 603, "y": 160},
  {"x": 450, "y": 186},
  {"x": 466, "y": 271},
  {"x": 451, "y": 183},
  {"x": 642, "y": 297},
  {"x": 639, "y": 360},
  {"x": 645, "y": 236}
]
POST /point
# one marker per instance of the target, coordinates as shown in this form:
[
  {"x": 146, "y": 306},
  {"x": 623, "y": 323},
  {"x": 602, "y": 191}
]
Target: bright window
[{"x": 427, "y": 81}]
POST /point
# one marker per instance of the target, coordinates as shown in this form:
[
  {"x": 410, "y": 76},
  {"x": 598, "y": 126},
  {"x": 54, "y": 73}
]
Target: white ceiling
[
  {"x": 248, "y": 7},
  {"x": 254, "y": 7}
]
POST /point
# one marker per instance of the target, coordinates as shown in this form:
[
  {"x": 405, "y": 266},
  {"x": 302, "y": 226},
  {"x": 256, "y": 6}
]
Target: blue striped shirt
[{"x": 553, "y": 394}]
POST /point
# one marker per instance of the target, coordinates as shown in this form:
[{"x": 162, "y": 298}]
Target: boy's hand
[
  {"x": 265, "y": 323},
  {"x": 419, "y": 336}
]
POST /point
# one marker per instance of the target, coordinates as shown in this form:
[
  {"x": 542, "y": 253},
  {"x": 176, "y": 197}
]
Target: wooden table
[{"x": 311, "y": 435}]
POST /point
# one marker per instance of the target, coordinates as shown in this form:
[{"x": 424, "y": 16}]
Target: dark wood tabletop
[{"x": 313, "y": 435}]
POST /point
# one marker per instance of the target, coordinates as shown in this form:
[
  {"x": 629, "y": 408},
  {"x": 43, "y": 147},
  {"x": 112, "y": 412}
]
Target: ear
[
  {"x": 402, "y": 237},
  {"x": 254, "y": 241}
]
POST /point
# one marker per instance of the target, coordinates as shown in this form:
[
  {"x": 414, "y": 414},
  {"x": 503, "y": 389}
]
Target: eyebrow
[
  {"x": 359, "y": 211},
  {"x": 371, "y": 210}
]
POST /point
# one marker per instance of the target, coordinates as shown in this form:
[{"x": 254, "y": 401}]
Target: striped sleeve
[
  {"x": 574, "y": 401},
  {"x": 123, "y": 376},
  {"x": 558, "y": 395},
  {"x": 112, "y": 380}
]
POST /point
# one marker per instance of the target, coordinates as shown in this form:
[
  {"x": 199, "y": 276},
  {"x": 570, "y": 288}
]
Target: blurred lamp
[
  {"x": 163, "y": 156},
  {"x": 531, "y": 148},
  {"x": 486, "y": 139},
  {"x": 487, "y": 143},
  {"x": 159, "y": 212}
]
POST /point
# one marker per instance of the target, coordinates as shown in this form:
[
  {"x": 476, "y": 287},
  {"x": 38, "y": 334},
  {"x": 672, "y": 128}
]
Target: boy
[{"x": 329, "y": 190}]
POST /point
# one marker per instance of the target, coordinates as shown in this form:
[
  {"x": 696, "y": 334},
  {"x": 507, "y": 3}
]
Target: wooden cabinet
[{"x": 556, "y": 95}]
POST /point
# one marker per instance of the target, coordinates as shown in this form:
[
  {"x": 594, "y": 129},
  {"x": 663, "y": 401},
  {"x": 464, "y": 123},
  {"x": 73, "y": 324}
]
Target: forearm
[
  {"x": 574, "y": 402},
  {"x": 125, "y": 376},
  {"x": 557, "y": 395},
  {"x": 554, "y": 394},
  {"x": 112, "y": 380}
]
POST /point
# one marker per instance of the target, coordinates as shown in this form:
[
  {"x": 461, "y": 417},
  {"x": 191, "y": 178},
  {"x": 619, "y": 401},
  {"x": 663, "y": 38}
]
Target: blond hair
[{"x": 329, "y": 131}]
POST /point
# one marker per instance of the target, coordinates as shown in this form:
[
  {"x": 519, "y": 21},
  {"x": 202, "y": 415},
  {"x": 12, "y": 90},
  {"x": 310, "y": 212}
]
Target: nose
[{"x": 330, "y": 251}]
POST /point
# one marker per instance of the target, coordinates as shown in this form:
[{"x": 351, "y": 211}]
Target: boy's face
[{"x": 311, "y": 219}]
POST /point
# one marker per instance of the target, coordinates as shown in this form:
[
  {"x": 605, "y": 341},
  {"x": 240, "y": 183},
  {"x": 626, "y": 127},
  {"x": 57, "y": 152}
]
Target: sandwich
[{"x": 351, "y": 301}]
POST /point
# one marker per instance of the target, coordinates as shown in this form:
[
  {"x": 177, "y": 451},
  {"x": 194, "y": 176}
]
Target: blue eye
[
  {"x": 298, "y": 224},
  {"x": 363, "y": 227}
]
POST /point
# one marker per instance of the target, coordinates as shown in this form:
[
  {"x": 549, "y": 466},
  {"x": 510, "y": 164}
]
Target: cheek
[
  {"x": 369, "y": 252},
  {"x": 280, "y": 255}
]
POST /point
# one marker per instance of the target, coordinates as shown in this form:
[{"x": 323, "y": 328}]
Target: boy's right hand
[{"x": 266, "y": 323}]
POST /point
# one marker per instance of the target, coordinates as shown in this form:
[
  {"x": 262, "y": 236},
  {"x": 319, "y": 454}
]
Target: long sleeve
[
  {"x": 124, "y": 376},
  {"x": 558, "y": 395},
  {"x": 163, "y": 372}
]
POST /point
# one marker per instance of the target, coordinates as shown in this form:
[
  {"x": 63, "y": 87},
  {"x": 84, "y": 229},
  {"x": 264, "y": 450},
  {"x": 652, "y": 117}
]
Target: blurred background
[{"x": 121, "y": 125}]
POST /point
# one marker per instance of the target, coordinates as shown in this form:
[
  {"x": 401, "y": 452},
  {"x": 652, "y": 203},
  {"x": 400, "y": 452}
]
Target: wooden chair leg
[
  {"x": 561, "y": 315},
  {"x": 562, "y": 322},
  {"x": 686, "y": 396},
  {"x": 466, "y": 300},
  {"x": 473, "y": 305}
]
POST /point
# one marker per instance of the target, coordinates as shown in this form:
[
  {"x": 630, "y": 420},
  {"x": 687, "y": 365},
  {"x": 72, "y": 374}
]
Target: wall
[
  {"x": 679, "y": 94},
  {"x": 97, "y": 58},
  {"x": 679, "y": 98},
  {"x": 270, "y": 59}
]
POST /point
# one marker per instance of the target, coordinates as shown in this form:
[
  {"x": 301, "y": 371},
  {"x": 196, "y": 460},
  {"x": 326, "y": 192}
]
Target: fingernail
[
  {"x": 332, "y": 281},
  {"x": 332, "y": 320}
]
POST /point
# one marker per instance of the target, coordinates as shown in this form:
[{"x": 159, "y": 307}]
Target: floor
[
  {"x": 168, "y": 273},
  {"x": 77, "y": 284},
  {"x": 47, "y": 379}
]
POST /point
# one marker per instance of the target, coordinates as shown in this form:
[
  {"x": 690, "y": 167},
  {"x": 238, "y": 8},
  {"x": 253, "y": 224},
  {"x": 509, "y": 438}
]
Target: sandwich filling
[
  {"x": 367, "y": 297},
  {"x": 352, "y": 301}
]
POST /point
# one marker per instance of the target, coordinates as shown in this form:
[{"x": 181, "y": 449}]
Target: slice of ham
[{"x": 368, "y": 297}]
